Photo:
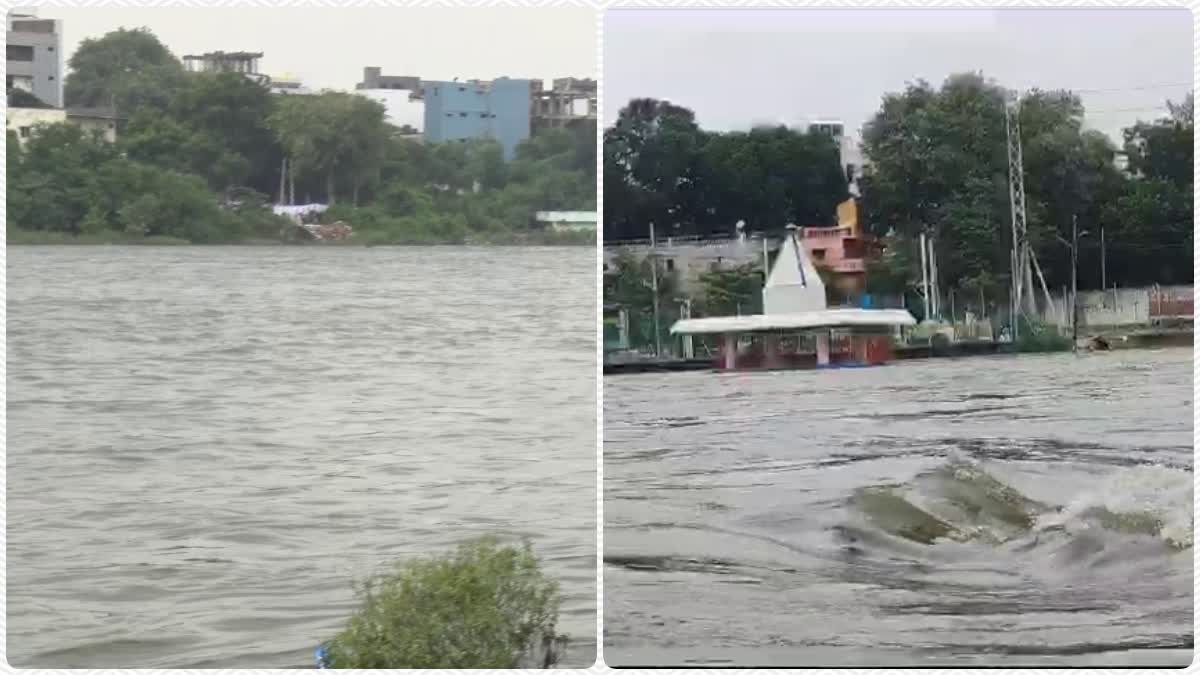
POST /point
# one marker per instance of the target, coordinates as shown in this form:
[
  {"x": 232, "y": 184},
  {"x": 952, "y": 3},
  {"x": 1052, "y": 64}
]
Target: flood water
[
  {"x": 207, "y": 446},
  {"x": 1015, "y": 510}
]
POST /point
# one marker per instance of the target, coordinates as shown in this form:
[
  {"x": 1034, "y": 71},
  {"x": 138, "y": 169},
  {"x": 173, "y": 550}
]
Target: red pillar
[
  {"x": 729, "y": 351},
  {"x": 823, "y": 348}
]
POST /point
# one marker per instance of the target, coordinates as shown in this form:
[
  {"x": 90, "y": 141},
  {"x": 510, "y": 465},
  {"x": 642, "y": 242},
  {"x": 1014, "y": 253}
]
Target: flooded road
[
  {"x": 1008, "y": 511},
  {"x": 207, "y": 445}
]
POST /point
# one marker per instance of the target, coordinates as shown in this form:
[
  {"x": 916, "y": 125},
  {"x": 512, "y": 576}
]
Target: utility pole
[
  {"x": 925, "y": 275},
  {"x": 1103, "y": 262},
  {"x": 685, "y": 312},
  {"x": 654, "y": 290},
  {"x": 283, "y": 181},
  {"x": 1074, "y": 282},
  {"x": 936, "y": 297}
]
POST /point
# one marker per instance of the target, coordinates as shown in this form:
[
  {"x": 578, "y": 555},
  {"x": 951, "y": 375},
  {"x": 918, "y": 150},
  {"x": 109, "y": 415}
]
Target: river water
[
  {"x": 207, "y": 446},
  {"x": 1015, "y": 511}
]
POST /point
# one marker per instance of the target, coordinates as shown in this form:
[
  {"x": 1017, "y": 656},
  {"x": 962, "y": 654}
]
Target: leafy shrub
[
  {"x": 484, "y": 606},
  {"x": 1036, "y": 336}
]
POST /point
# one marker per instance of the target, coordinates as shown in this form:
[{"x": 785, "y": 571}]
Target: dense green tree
[
  {"x": 661, "y": 168},
  {"x": 650, "y": 168},
  {"x": 125, "y": 69},
  {"x": 331, "y": 135},
  {"x": 938, "y": 165},
  {"x": 731, "y": 291},
  {"x": 201, "y": 157}
]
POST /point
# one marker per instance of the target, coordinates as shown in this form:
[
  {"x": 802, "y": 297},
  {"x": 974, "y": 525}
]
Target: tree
[
  {"x": 330, "y": 135},
  {"x": 770, "y": 177},
  {"x": 650, "y": 167},
  {"x": 938, "y": 165},
  {"x": 484, "y": 606},
  {"x": 661, "y": 168},
  {"x": 125, "y": 70},
  {"x": 1163, "y": 148},
  {"x": 19, "y": 98},
  {"x": 727, "y": 292},
  {"x": 233, "y": 110}
]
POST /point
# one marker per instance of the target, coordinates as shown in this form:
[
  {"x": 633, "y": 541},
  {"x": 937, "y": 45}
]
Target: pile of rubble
[{"x": 338, "y": 231}]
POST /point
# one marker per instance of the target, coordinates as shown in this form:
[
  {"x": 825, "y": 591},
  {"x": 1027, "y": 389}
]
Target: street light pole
[{"x": 1074, "y": 246}]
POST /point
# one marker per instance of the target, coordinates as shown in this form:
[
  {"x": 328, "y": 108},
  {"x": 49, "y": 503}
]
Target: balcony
[{"x": 849, "y": 266}]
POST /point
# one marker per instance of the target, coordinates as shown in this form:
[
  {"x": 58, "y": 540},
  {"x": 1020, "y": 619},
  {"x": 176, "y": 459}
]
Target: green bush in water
[
  {"x": 1036, "y": 336},
  {"x": 483, "y": 606}
]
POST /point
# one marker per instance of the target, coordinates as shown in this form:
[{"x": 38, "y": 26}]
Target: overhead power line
[{"x": 1144, "y": 87}]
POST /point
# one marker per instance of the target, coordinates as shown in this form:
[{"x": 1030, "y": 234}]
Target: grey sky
[
  {"x": 328, "y": 47},
  {"x": 736, "y": 68}
]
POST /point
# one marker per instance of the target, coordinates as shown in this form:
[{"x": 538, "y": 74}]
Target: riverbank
[
  {"x": 26, "y": 238},
  {"x": 1118, "y": 340}
]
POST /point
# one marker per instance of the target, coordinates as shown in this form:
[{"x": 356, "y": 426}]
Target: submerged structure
[{"x": 797, "y": 329}]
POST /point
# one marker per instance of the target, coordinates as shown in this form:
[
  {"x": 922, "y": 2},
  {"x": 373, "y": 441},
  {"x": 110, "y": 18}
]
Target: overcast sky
[
  {"x": 737, "y": 68},
  {"x": 328, "y": 47}
]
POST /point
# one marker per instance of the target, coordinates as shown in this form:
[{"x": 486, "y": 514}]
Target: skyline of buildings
[{"x": 507, "y": 109}]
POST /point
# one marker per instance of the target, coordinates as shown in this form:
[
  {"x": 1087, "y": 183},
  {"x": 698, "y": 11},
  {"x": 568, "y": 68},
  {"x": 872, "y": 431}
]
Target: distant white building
[
  {"x": 568, "y": 221},
  {"x": 288, "y": 84},
  {"x": 25, "y": 121},
  {"x": 850, "y": 154}
]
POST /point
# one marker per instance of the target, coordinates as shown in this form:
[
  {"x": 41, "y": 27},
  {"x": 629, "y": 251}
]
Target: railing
[
  {"x": 1170, "y": 303},
  {"x": 849, "y": 265},
  {"x": 691, "y": 240}
]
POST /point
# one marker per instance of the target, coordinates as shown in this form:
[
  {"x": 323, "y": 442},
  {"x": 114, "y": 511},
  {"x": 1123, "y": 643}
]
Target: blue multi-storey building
[{"x": 499, "y": 109}]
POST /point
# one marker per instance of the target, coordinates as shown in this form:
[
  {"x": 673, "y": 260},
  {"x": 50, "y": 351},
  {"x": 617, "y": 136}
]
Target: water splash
[{"x": 960, "y": 501}]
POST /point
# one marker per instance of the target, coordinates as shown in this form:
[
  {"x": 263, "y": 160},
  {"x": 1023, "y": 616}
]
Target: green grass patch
[
  {"x": 1038, "y": 337},
  {"x": 40, "y": 237},
  {"x": 485, "y": 605}
]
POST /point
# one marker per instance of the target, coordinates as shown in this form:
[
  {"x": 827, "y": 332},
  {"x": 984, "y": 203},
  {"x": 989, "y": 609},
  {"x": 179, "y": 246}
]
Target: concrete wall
[
  {"x": 34, "y": 51},
  {"x": 464, "y": 110},
  {"x": 1123, "y": 306},
  {"x": 24, "y": 121},
  {"x": 107, "y": 127},
  {"x": 690, "y": 259}
]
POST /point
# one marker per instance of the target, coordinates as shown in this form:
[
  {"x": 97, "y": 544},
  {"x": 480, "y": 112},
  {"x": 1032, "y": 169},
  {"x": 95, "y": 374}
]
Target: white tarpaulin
[{"x": 298, "y": 209}]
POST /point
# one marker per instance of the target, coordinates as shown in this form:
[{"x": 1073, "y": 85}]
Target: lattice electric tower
[{"x": 1019, "y": 256}]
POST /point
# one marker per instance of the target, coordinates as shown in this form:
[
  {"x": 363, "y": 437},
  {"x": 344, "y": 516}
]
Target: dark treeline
[
  {"x": 199, "y": 155},
  {"x": 661, "y": 167},
  {"x": 936, "y": 163}
]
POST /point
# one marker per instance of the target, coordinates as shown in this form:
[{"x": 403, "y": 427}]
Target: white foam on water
[{"x": 1158, "y": 493}]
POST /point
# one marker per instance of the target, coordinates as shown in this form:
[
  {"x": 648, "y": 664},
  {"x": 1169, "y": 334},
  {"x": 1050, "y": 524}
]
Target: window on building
[
  {"x": 670, "y": 264},
  {"x": 50, "y": 48},
  {"x": 50, "y": 77},
  {"x": 23, "y": 132},
  {"x": 19, "y": 52},
  {"x": 818, "y": 254},
  {"x": 462, "y": 114}
]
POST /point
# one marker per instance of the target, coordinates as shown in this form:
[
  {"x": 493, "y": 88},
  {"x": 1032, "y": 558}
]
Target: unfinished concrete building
[
  {"x": 569, "y": 101},
  {"x": 245, "y": 63},
  {"x": 373, "y": 78}
]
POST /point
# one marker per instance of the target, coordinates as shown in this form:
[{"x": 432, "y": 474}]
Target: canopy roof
[{"x": 824, "y": 318}]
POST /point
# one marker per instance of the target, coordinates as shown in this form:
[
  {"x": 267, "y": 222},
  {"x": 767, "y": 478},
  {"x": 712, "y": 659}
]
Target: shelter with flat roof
[{"x": 796, "y": 328}]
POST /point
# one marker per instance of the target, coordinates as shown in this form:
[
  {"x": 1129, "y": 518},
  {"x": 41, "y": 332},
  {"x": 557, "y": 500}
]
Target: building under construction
[
  {"x": 245, "y": 63},
  {"x": 568, "y": 102}
]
